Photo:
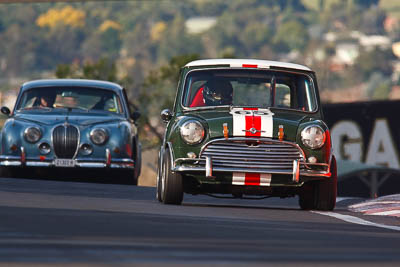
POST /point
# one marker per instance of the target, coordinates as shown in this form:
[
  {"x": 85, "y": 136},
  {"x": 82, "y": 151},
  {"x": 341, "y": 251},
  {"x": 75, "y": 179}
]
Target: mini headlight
[
  {"x": 99, "y": 136},
  {"x": 313, "y": 137},
  {"x": 32, "y": 134},
  {"x": 192, "y": 132}
]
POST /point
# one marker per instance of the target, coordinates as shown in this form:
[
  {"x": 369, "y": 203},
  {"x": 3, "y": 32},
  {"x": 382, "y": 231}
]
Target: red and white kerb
[
  {"x": 252, "y": 122},
  {"x": 261, "y": 179}
]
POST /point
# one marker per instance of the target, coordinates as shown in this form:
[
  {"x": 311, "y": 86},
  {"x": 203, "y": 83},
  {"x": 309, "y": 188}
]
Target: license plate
[{"x": 64, "y": 163}]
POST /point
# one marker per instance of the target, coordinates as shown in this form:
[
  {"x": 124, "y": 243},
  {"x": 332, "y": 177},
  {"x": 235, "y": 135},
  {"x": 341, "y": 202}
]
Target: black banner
[{"x": 366, "y": 143}]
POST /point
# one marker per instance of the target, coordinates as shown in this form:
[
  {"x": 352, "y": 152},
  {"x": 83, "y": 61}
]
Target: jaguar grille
[{"x": 65, "y": 141}]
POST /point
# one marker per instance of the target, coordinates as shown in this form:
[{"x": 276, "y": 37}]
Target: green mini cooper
[{"x": 247, "y": 129}]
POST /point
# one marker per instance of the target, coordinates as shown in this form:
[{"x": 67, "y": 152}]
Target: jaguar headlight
[
  {"x": 192, "y": 132},
  {"x": 99, "y": 136},
  {"x": 32, "y": 134},
  {"x": 313, "y": 137}
]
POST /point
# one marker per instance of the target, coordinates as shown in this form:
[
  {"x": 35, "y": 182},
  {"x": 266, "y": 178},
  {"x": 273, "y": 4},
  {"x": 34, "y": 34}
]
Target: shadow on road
[{"x": 102, "y": 176}]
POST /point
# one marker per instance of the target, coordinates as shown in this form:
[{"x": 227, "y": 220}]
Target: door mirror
[
  {"x": 166, "y": 115},
  {"x": 5, "y": 110},
  {"x": 135, "y": 115}
]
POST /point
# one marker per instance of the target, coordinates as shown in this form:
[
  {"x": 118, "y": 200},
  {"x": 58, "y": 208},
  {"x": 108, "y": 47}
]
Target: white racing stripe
[
  {"x": 238, "y": 178},
  {"x": 356, "y": 220},
  {"x": 241, "y": 178},
  {"x": 239, "y": 121},
  {"x": 245, "y": 119},
  {"x": 267, "y": 126},
  {"x": 265, "y": 179}
]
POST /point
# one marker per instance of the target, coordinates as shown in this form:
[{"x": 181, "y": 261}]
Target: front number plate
[{"x": 64, "y": 163}]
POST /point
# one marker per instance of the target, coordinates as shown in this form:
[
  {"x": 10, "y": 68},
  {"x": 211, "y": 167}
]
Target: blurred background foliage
[{"x": 351, "y": 44}]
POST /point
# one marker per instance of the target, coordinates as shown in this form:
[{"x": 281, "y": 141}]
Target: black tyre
[
  {"x": 7, "y": 172},
  {"x": 326, "y": 190},
  {"x": 171, "y": 183},
  {"x": 306, "y": 197},
  {"x": 320, "y": 195},
  {"x": 138, "y": 165},
  {"x": 122, "y": 176},
  {"x": 137, "y": 157},
  {"x": 133, "y": 179},
  {"x": 158, "y": 183}
]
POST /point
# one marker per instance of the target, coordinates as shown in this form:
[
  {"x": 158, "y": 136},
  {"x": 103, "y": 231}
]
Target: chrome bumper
[
  {"x": 205, "y": 166},
  {"x": 79, "y": 163}
]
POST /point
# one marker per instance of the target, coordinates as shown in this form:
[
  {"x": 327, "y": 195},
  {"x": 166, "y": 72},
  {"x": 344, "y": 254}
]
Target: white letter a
[{"x": 381, "y": 150}]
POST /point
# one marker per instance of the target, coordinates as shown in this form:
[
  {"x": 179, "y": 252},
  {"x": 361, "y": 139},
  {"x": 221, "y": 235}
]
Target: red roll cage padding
[{"x": 198, "y": 100}]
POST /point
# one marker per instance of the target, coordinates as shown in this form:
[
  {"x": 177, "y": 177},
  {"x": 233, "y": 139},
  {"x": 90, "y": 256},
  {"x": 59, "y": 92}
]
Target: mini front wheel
[
  {"x": 171, "y": 182},
  {"x": 326, "y": 190},
  {"x": 320, "y": 195}
]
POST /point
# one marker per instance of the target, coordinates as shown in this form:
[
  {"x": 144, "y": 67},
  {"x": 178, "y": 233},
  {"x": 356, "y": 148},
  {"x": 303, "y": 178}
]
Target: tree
[
  {"x": 177, "y": 41},
  {"x": 369, "y": 62},
  {"x": 291, "y": 35},
  {"x": 366, "y": 3},
  {"x": 378, "y": 86},
  {"x": 110, "y": 37},
  {"x": 158, "y": 92},
  {"x": 68, "y": 16},
  {"x": 104, "y": 69}
]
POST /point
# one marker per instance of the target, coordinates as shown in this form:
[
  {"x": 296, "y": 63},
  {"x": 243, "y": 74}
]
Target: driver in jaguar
[{"x": 45, "y": 101}]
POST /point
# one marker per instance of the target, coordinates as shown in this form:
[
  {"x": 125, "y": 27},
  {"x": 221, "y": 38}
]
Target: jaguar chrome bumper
[{"x": 41, "y": 161}]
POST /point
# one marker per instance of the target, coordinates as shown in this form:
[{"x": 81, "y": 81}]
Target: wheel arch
[{"x": 167, "y": 145}]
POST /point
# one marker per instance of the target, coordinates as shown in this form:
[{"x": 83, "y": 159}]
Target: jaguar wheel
[
  {"x": 7, "y": 172},
  {"x": 138, "y": 165},
  {"x": 159, "y": 180}
]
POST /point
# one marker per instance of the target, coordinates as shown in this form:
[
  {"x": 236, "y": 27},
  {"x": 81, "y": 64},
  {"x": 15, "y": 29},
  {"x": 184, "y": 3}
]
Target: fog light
[
  {"x": 44, "y": 148},
  {"x": 86, "y": 149},
  {"x": 312, "y": 159},
  {"x": 191, "y": 155}
]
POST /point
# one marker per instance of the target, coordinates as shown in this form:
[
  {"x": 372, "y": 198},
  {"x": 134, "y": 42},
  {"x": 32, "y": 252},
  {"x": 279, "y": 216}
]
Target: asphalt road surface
[{"x": 50, "y": 222}]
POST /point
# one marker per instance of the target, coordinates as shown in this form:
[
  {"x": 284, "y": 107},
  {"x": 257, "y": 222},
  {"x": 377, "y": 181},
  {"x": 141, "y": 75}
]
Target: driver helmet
[{"x": 217, "y": 92}]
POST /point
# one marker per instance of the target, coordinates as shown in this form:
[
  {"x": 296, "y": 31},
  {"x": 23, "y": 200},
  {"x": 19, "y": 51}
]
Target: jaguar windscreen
[
  {"x": 84, "y": 98},
  {"x": 249, "y": 88}
]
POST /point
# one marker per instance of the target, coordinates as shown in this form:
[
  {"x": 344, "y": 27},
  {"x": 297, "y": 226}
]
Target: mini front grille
[
  {"x": 268, "y": 156},
  {"x": 65, "y": 141}
]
